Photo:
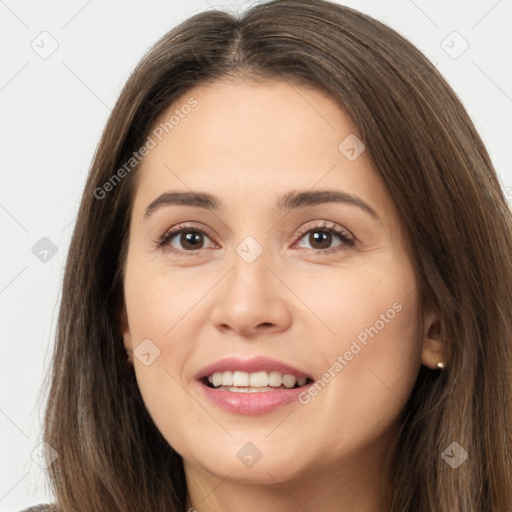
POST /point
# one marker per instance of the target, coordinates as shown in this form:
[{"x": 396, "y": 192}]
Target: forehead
[
  {"x": 241, "y": 137},
  {"x": 244, "y": 113}
]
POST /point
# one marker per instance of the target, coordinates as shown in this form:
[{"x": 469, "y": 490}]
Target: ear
[
  {"x": 434, "y": 348},
  {"x": 125, "y": 331}
]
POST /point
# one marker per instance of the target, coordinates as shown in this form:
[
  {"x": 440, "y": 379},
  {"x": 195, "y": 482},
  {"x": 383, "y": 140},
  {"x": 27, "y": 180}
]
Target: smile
[
  {"x": 252, "y": 393},
  {"x": 257, "y": 385},
  {"x": 262, "y": 381}
]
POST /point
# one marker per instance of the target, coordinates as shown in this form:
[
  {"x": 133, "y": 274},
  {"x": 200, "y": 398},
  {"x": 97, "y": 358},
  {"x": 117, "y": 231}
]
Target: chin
[{"x": 268, "y": 470}]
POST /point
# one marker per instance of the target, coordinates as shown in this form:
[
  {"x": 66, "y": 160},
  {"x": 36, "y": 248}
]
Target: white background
[{"x": 53, "y": 112}]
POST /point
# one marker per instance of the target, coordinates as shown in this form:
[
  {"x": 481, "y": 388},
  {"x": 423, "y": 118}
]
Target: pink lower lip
[{"x": 251, "y": 403}]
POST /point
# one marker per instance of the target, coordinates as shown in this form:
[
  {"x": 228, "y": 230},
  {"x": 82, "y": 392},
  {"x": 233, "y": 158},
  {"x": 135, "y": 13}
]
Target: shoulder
[{"x": 41, "y": 508}]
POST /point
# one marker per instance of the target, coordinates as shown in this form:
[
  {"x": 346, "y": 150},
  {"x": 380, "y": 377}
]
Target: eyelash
[{"x": 164, "y": 240}]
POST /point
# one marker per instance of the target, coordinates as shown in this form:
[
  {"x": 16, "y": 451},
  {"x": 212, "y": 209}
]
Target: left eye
[{"x": 323, "y": 236}]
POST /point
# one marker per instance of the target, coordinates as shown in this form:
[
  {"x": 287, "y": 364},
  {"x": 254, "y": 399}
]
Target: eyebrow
[{"x": 290, "y": 201}]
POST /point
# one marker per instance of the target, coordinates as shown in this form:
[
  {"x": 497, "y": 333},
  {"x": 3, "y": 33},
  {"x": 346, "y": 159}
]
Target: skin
[{"x": 248, "y": 144}]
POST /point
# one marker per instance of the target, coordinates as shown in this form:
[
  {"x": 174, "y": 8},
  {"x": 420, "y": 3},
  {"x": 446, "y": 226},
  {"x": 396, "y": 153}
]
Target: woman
[{"x": 211, "y": 356}]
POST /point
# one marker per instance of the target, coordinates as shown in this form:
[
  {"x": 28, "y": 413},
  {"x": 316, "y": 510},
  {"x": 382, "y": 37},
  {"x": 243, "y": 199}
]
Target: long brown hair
[{"x": 111, "y": 455}]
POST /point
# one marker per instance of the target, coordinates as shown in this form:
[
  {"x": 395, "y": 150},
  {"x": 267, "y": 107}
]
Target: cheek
[
  {"x": 372, "y": 364},
  {"x": 372, "y": 355},
  {"x": 162, "y": 317},
  {"x": 377, "y": 307},
  {"x": 160, "y": 305}
]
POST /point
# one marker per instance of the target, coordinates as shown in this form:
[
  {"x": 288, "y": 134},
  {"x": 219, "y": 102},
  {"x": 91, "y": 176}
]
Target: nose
[{"x": 252, "y": 299}]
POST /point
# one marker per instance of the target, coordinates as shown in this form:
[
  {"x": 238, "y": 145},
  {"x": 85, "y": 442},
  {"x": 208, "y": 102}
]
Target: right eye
[{"x": 191, "y": 238}]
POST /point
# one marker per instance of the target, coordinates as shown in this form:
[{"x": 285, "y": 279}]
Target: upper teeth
[{"x": 258, "y": 379}]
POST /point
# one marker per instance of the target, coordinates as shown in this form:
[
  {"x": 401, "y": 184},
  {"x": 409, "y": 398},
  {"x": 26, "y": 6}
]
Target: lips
[{"x": 249, "y": 386}]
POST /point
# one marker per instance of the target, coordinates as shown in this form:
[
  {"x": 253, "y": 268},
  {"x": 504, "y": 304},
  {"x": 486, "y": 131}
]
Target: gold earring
[{"x": 440, "y": 365}]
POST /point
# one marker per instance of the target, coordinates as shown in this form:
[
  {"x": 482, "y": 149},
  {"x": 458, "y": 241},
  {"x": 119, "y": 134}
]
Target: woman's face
[{"x": 256, "y": 272}]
